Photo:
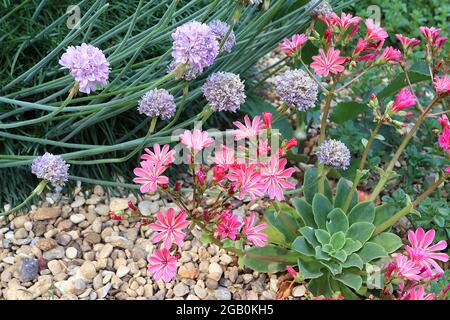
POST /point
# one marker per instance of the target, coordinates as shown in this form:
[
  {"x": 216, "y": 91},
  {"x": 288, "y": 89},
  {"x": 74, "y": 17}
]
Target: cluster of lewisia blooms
[
  {"x": 237, "y": 174},
  {"x": 413, "y": 271}
]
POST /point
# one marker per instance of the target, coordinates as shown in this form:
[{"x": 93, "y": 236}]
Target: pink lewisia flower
[
  {"x": 343, "y": 22},
  {"x": 444, "y": 139},
  {"x": 249, "y": 130},
  {"x": 417, "y": 293},
  {"x": 443, "y": 120},
  {"x": 163, "y": 265},
  {"x": 196, "y": 140},
  {"x": 150, "y": 175},
  {"x": 420, "y": 251},
  {"x": 169, "y": 228},
  {"x": 228, "y": 226},
  {"x": 447, "y": 170},
  {"x": 164, "y": 156},
  {"x": 407, "y": 269},
  {"x": 403, "y": 100},
  {"x": 253, "y": 233},
  {"x": 225, "y": 157},
  {"x": 431, "y": 34},
  {"x": 360, "y": 46},
  {"x": 246, "y": 180},
  {"x": 442, "y": 84},
  {"x": 291, "y": 46},
  {"x": 374, "y": 31},
  {"x": 391, "y": 55},
  {"x": 407, "y": 43},
  {"x": 274, "y": 176},
  {"x": 329, "y": 62}
]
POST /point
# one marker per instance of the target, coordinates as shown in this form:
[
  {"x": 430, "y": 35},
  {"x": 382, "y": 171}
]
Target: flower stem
[{"x": 37, "y": 191}]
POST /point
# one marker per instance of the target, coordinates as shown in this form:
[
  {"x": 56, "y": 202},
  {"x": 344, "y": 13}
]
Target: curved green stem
[{"x": 37, "y": 191}]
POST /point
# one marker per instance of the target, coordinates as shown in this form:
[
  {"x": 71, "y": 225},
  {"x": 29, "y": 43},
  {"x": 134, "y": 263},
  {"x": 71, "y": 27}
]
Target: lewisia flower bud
[
  {"x": 116, "y": 217},
  {"x": 290, "y": 144},
  {"x": 267, "y": 117},
  {"x": 218, "y": 174},
  {"x": 443, "y": 120},
  {"x": 373, "y": 102},
  {"x": 201, "y": 176},
  {"x": 291, "y": 271},
  {"x": 403, "y": 100},
  {"x": 132, "y": 206}
]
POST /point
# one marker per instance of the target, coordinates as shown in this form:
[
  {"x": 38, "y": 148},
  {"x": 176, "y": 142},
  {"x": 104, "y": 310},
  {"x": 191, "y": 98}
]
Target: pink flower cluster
[
  {"x": 444, "y": 137},
  {"x": 403, "y": 100},
  {"x": 418, "y": 265}
]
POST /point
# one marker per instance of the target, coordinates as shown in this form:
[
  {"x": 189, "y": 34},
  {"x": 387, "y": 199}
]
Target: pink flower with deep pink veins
[
  {"x": 246, "y": 180},
  {"x": 343, "y": 22},
  {"x": 164, "y": 156},
  {"x": 421, "y": 253},
  {"x": 263, "y": 147},
  {"x": 253, "y": 233},
  {"x": 374, "y": 31},
  {"x": 407, "y": 43},
  {"x": 431, "y": 34},
  {"x": 405, "y": 268},
  {"x": 391, "y": 55},
  {"x": 329, "y": 62},
  {"x": 228, "y": 226},
  {"x": 274, "y": 176},
  {"x": 169, "y": 228},
  {"x": 417, "y": 293},
  {"x": 163, "y": 265},
  {"x": 443, "y": 120},
  {"x": 225, "y": 157},
  {"x": 196, "y": 140},
  {"x": 360, "y": 46},
  {"x": 248, "y": 130},
  {"x": 150, "y": 175},
  {"x": 291, "y": 46},
  {"x": 444, "y": 139},
  {"x": 442, "y": 84},
  {"x": 403, "y": 100}
]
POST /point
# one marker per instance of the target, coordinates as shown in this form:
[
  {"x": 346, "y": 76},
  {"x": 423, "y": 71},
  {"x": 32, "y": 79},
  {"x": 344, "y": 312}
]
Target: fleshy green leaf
[
  {"x": 321, "y": 286},
  {"x": 361, "y": 231},
  {"x": 305, "y": 211},
  {"x": 340, "y": 255},
  {"x": 362, "y": 212},
  {"x": 353, "y": 261},
  {"x": 309, "y": 235},
  {"x": 351, "y": 280},
  {"x": 338, "y": 240},
  {"x": 371, "y": 251},
  {"x": 310, "y": 269},
  {"x": 342, "y": 190},
  {"x": 269, "y": 258},
  {"x": 389, "y": 241},
  {"x": 321, "y": 208},
  {"x": 287, "y": 224},
  {"x": 322, "y": 236},
  {"x": 311, "y": 185},
  {"x": 351, "y": 246},
  {"x": 334, "y": 267},
  {"x": 302, "y": 246},
  {"x": 337, "y": 221}
]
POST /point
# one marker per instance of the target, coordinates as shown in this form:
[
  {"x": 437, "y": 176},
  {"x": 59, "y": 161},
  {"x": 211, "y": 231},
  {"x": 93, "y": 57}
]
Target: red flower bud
[
  {"x": 218, "y": 174},
  {"x": 291, "y": 144},
  {"x": 132, "y": 206},
  {"x": 267, "y": 117},
  {"x": 201, "y": 176},
  {"x": 177, "y": 187},
  {"x": 328, "y": 36}
]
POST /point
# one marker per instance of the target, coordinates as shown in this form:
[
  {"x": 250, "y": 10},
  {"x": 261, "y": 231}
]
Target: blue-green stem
[{"x": 36, "y": 192}]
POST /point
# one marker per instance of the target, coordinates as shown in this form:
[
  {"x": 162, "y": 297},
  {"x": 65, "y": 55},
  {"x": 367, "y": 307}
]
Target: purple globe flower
[
  {"x": 224, "y": 91},
  {"x": 158, "y": 103},
  {"x": 220, "y": 29},
  {"x": 322, "y": 9},
  {"x": 334, "y": 153},
  {"x": 296, "y": 87},
  {"x": 188, "y": 73},
  {"x": 195, "y": 45},
  {"x": 88, "y": 65},
  {"x": 51, "y": 168}
]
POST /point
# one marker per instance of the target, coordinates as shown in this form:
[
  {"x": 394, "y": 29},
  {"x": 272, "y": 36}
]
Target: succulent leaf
[
  {"x": 362, "y": 212},
  {"x": 337, "y": 221},
  {"x": 321, "y": 208},
  {"x": 361, "y": 231}
]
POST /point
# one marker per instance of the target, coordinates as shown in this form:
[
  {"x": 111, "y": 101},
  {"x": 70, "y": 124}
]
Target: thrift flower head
[
  {"x": 220, "y": 29},
  {"x": 224, "y": 91},
  {"x": 150, "y": 176},
  {"x": 275, "y": 177},
  {"x": 442, "y": 84},
  {"x": 168, "y": 228},
  {"x": 297, "y": 88},
  {"x": 444, "y": 139},
  {"x": 403, "y": 100},
  {"x": 374, "y": 31},
  {"x": 187, "y": 73},
  {"x": 407, "y": 43},
  {"x": 248, "y": 129},
  {"x": 417, "y": 293},
  {"x": 334, "y": 153},
  {"x": 194, "y": 44},
  {"x": 319, "y": 9},
  {"x": 291, "y": 46},
  {"x": 51, "y": 168},
  {"x": 163, "y": 265},
  {"x": 422, "y": 253},
  {"x": 228, "y": 226},
  {"x": 328, "y": 62},
  {"x": 254, "y": 233},
  {"x": 158, "y": 155},
  {"x": 246, "y": 180},
  {"x": 157, "y": 103},
  {"x": 196, "y": 140}
]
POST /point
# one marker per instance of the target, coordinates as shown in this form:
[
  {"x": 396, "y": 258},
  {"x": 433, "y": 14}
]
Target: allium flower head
[
  {"x": 157, "y": 103},
  {"x": 328, "y": 62},
  {"x": 374, "y": 31},
  {"x": 196, "y": 140},
  {"x": 322, "y": 9},
  {"x": 169, "y": 228},
  {"x": 291, "y": 46},
  {"x": 442, "y": 84},
  {"x": 88, "y": 65},
  {"x": 163, "y": 265},
  {"x": 334, "y": 153},
  {"x": 195, "y": 45},
  {"x": 297, "y": 88},
  {"x": 403, "y": 100},
  {"x": 224, "y": 91},
  {"x": 254, "y": 233},
  {"x": 51, "y": 168},
  {"x": 220, "y": 29},
  {"x": 187, "y": 73},
  {"x": 275, "y": 177}
]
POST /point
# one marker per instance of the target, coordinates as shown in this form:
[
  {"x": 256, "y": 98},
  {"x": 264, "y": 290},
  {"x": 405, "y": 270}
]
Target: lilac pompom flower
[
  {"x": 220, "y": 29},
  {"x": 224, "y": 91},
  {"x": 334, "y": 153},
  {"x": 88, "y": 65},
  {"x": 194, "y": 45},
  {"x": 51, "y": 168},
  {"x": 157, "y": 103}
]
